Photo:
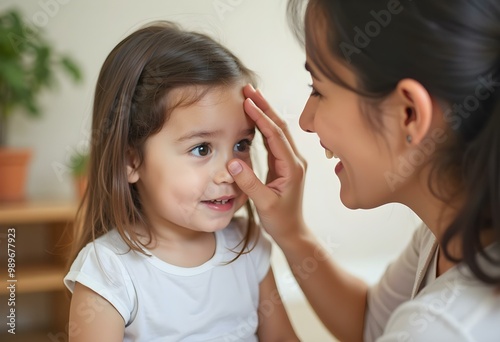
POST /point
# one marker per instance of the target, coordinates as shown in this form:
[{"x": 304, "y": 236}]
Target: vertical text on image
[{"x": 11, "y": 280}]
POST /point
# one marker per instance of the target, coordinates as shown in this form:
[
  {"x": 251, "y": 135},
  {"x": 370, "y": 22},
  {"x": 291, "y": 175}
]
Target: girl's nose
[{"x": 221, "y": 174}]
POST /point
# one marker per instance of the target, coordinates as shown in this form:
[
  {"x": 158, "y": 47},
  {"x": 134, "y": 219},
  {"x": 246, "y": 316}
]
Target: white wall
[{"x": 256, "y": 31}]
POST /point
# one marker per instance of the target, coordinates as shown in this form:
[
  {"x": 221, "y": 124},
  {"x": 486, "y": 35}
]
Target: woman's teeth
[{"x": 329, "y": 154}]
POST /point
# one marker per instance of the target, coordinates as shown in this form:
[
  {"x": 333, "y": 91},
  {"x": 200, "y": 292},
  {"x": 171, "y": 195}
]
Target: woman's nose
[{"x": 306, "y": 120}]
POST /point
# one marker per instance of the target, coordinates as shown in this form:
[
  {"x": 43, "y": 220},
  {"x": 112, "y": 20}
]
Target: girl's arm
[
  {"x": 274, "y": 325},
  {"x": 93, "y": 318},
  {"x": 338, "y": 298}
]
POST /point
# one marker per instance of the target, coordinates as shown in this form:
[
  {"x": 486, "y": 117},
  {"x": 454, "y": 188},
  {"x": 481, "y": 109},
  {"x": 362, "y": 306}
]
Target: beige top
[{"x": 411, "y": 304}]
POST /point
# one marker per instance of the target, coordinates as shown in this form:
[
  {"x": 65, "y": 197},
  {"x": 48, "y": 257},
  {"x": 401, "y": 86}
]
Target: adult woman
[{"x": 397, "y": 84}]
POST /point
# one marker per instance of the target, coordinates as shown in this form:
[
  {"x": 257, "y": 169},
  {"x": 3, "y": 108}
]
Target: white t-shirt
[
  {"x": 410, "y": 304},
  {"x": 162, "y": 302}
]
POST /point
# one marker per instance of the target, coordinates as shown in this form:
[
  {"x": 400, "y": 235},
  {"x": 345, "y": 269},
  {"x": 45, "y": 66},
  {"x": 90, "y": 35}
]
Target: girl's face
[
  {"x": 366, "y": 164},
  {"x": 183, "y": 181}
]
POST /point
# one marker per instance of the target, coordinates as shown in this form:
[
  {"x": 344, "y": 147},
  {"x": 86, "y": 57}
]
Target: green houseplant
[
  {"x": 79, "y": 166},
  {"x": 28, "y": 65}
]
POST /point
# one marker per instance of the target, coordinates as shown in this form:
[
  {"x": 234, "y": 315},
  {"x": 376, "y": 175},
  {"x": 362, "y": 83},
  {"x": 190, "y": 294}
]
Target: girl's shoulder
[
  {"x": 109, "y": 244},
  {"x": 100, "y": 266},
  {"x": 102, "y": 256},
  {"x": 111, "y": 241},
  {"x": 103, "y": 252}
]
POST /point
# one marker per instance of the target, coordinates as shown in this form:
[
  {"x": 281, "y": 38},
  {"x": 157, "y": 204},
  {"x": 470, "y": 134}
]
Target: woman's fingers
[
  {"x": 279, "y": 201},
  {"x": 257, "y": 97},
  {"x": 276, "y": 140},
  {"x": 248, "y": 182}
]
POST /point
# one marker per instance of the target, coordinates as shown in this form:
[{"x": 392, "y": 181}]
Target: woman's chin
[{"x": 353, "y": 203}]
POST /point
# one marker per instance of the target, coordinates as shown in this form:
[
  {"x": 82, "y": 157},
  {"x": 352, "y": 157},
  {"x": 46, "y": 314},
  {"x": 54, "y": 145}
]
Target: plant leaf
[
  {"x": 28, "y": 64},
  {"x": 71, "y": 68}
]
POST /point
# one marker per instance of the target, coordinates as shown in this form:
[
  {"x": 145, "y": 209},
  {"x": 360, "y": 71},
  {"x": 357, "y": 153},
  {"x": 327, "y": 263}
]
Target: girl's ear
[
  {"x": 132, "y": 166},
  {"x": 415, "y": 110}
]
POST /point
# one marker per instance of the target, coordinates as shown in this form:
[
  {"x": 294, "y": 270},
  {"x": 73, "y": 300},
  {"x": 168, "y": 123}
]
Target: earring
[{"x": 409, "y": 139}]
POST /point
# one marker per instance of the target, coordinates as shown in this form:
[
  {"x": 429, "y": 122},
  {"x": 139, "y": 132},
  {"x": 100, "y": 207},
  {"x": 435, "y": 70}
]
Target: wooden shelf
[
  {"x": 41, "y": 245},
  {"x": 37, "y": 278},
  {"x": 36, "y": 212}
]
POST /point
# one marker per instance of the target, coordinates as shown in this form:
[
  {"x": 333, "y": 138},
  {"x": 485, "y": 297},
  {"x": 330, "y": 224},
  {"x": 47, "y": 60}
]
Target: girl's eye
[
  {"x": 243, "y": 146},
  {"x": 314, "y": 92},
  {"x": 201, "y": 150}
]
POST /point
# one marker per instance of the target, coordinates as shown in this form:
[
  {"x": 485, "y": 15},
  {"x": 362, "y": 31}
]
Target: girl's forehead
[
  {"x": 201, "y": 94},
  {"x": 220, "y": 106}
]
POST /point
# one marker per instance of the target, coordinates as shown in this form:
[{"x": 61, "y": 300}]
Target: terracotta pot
[
  {"x": 14, "y": 164},
  {"x": 80, "y": 185}
]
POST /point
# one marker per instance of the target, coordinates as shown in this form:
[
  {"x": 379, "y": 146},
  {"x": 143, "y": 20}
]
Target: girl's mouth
[{"x": 221, "y": 204}]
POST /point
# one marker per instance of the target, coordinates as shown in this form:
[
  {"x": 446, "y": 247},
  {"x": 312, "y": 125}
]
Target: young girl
[
  {"x": 406, "y": 94},
  {"x": 162, "y": 257}
]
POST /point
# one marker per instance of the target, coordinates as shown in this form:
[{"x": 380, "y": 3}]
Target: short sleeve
[{"x": 100, "y": 269}]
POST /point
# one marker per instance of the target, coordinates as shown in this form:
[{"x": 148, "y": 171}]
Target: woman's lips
[{"x": 339, "y": 167}]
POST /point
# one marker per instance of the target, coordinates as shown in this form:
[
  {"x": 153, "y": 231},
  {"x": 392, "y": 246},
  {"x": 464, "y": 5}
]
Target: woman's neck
[{"x": 437, "y": 215}]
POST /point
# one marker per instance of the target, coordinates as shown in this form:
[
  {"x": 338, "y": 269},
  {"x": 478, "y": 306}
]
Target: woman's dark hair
[
  {"x": 453, "y": 49},
  {"x": 131, "y": 104}
]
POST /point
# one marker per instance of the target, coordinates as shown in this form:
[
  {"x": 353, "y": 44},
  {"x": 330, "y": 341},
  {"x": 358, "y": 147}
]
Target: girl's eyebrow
[
  {"x": 211, "y": 134},
  {"x": 198, "y": 134}
]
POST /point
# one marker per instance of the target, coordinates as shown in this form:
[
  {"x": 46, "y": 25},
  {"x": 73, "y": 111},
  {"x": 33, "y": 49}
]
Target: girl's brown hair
[{"x": 131, "y": 104}]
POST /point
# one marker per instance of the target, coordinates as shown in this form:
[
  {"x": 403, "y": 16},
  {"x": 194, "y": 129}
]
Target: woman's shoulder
[
  {"x": 454, "y": 307},
  {"x": 423, "y": 237}
]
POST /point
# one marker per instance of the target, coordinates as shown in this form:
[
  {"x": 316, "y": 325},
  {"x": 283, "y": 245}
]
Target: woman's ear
[
  {"x": 132, "y": 166},
  {"x": 415, "y": 110}
]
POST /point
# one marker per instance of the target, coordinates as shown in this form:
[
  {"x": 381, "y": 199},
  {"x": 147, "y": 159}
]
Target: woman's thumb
[{"x": 248, "y": 182}]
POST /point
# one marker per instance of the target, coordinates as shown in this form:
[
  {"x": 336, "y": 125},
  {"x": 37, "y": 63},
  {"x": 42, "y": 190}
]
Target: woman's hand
[{"x": 279, "y": 201}]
